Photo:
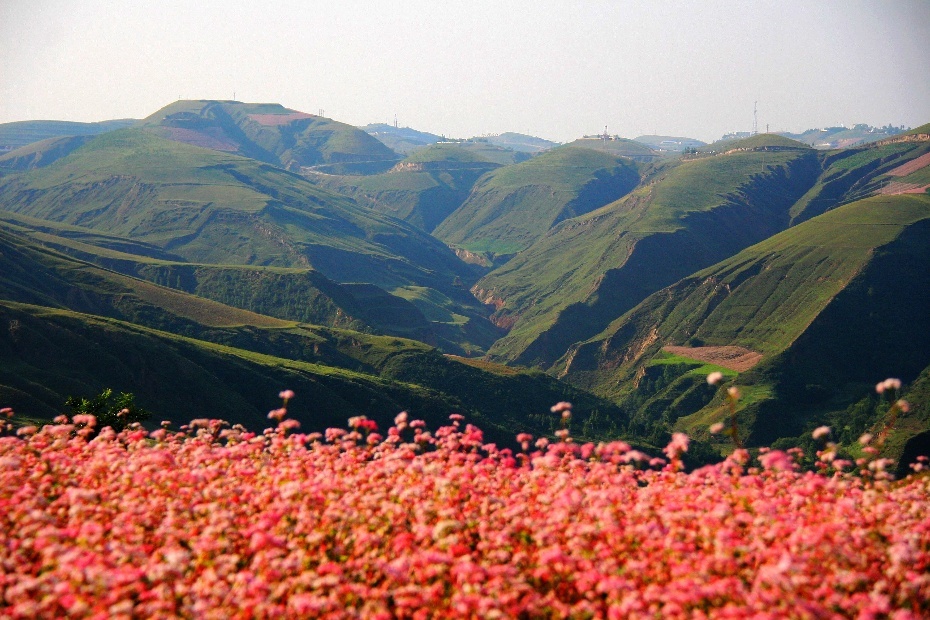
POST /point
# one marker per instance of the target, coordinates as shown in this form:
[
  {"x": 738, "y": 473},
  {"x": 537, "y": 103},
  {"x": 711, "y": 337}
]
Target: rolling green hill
[
  {"x": 588, "y": 270},
  {"x": 513, "y": 206},
  {"x": 21, "y": 133},
  {"x": 41, "y": 153},
  {"x": 189, "y": 204},
  {"x": 35, "y": 273},
  {"x": 85, "y": 318},
  {"x": 422, "y": 190},
  {"x": 619, "y": 146},
  {"x": 217, "y": 208},
  {"x": 267, "y": 132},
  {"x": 832, "y": 305},
  {"x": 852, "y": 174}
]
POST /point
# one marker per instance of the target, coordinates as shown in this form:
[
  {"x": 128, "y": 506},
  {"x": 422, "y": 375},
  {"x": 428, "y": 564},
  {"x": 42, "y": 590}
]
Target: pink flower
[
  {"x": 714, "y": 378},
  {"x": 734, "y": 392},
  {"x": 903, "y": 406},
  {"x": 277, "y": 414},
  {"x": 561, "y": 407},
  {"x": 820, "y": 431},
  {"x": 286, "y": 395},
  {"x": 7, "y": 411},
  {"x": 888, "y": 384},
  {"x": 716, "y": 427}
]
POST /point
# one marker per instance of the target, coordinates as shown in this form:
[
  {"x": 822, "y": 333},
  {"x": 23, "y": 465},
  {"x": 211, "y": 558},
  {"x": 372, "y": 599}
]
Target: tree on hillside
[{"x": 117, "y": 411}]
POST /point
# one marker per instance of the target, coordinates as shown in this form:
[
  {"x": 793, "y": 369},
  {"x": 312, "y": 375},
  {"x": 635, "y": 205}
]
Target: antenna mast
[{"x": 755, "y": 118}]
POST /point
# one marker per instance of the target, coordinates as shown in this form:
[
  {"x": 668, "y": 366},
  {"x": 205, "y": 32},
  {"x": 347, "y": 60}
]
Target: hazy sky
[{"x": 552, "y": 69}]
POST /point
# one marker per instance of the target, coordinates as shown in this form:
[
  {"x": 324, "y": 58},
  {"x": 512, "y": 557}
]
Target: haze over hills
[{"x": 251, "y": 244}]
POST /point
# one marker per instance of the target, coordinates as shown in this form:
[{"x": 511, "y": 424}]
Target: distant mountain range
[{"x": 217, "y": 251}]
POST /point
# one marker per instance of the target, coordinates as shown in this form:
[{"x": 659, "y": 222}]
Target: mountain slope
[
  {"x": 224, "y": 350},
  {"x": 588, "y": 270},
  {"x": 21, "y": 133},
  {"x": 423, "y": 189},
  {"x": 41, "y": 153},
  {"x": 514, "y": 206},
  {"x": 828, "y": 306},
  {"x": 267, "y": 132},
  {"x": 212, "y": 207},
  {"x": 403, "y": 140}
]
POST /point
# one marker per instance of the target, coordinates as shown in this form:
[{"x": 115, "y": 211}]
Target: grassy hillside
[
  {"x": 758, "y": 141},
  {"x": 852, "y": 174},
  {"x": 214, "y": 345},
  {"x": 619, "y": 146},
  {"x": 514, "y": 206},
  {"x": 832, "y": 305},
  {"x": 588, "y": 270},
  {"x": 21, "y": 133},
  {"x": 41, "y": 153},
  {"x": 290, "y": 294},
  {"x": 422, "y": 190},
  {"x": 267, "y": 132},
  {"x": 211, "y": 207},
  {"x": 50, "y": 354}
]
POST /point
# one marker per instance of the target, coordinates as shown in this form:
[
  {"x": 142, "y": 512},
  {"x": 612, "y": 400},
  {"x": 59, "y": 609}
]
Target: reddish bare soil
[
  {"x": 734, "y": 358},
  {"x": 278, "y": 119},
  {"x": 201, "y": 139},
  {"x": 903, "y": 188},
  {"x": 912, "y": 166}
]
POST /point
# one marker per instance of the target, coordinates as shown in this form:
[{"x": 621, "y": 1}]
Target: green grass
[
  {"x": 209, "y": 207},
  {"x": 512, "y": 207},
  {"x": 305, "y": 141},
  {"x": 832, "y": 302},
  {"x": 853, "y": 174},
  {"x": 590, "y": 269}
]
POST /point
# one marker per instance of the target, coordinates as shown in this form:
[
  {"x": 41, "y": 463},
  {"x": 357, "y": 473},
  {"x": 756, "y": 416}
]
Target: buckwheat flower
[
  {"x": 7, "y": 411},
  {"x": 401, "y": 419},
  {"x": 714, "y": 378},
  {"x": 86, "y": 418},
  {"x": 456, "y": 417},
  {"x": 288, "y": 425},
  {"x": 60, "y": 419},
  {"x": 562, "y": 433},
  {"x": 820, "y": 431},
  {"x": 888, "y": 384},
  {"x": 904, "y": 406},
  {"x": 277, "y": 414},
  {"x": 26, "y": 430},
  {"x": 865, "y": 439},
  {"x": 716, "y": 428},
  {"x": 734, "y": 392},
  {"x": 561, "y": 407},
  {"x": 286, "y": 395}
]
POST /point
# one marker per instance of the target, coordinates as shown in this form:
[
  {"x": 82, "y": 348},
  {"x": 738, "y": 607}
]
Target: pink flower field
[{"x": 216, "y": 522}]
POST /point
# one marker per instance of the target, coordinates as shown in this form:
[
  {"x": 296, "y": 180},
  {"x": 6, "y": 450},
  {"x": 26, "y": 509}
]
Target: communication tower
[{"x": 755, "y": 118}]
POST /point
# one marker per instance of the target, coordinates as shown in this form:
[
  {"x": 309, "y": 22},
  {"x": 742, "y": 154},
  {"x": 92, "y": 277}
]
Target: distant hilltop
[{"x": 838, "y": 137}]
